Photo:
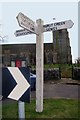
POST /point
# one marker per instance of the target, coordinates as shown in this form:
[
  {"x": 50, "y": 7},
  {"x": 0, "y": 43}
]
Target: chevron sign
[{"x": 16, "y": 83}]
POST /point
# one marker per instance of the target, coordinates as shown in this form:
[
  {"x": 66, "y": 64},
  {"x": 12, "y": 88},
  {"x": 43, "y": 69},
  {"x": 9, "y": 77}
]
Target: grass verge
[{"x": 53, "y": 108}]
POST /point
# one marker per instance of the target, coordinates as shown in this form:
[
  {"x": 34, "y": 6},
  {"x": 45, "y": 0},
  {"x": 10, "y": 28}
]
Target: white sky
[{"x": 46, "y": 11}]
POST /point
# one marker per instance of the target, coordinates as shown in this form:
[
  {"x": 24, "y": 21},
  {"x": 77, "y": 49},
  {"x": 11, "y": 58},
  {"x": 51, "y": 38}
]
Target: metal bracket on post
[{"x": 39, "y": 66}]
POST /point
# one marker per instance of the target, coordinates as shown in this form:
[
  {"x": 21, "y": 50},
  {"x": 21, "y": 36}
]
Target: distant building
[
  {"x": 57, "y": 52},
  {"x": 61, "y": 47}
]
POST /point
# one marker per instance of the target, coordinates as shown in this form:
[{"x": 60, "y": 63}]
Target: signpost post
[
  {"x": 39, "y": 66},
  {"x": 38, "y": 28}
]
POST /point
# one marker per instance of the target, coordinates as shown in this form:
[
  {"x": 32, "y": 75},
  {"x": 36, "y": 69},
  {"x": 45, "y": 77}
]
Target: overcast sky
[{"x": 61, "y": 11}]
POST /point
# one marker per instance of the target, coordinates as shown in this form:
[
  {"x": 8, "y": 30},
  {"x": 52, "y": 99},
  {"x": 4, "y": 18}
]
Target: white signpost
[{"x": 38, "y": 28}]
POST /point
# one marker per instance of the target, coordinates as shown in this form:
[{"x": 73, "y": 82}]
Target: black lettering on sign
[
  {"x": 48, "y": 29},
  {"x": 48, "y": 25},
  {"x": 59, "y": 23},
  {"x": 54, "y": 28}
]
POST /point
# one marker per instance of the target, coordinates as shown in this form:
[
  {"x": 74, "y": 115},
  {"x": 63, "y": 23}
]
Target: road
[{"x": 59, "y": 91}]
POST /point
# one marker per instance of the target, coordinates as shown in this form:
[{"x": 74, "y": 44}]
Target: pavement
[
  {"x": 63, "y": 88},
  {"x": 65, "y": 81}
]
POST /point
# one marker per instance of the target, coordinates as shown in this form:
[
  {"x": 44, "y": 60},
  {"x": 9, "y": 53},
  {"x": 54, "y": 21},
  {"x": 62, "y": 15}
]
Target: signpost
[{"x": 38, "y": 28}]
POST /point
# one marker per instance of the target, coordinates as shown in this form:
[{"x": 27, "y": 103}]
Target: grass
[
  {"x": 53, "y": 108},
  {"x": 10, "y": 110}
]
